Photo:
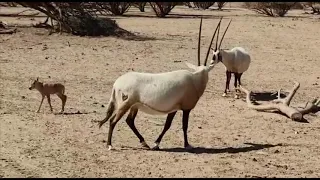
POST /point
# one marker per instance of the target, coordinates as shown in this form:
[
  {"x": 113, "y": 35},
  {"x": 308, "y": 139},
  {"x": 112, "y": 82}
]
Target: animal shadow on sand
[
  {"x": 73, "y": 113},
  {"x": 266, "y": 96},
  {"x": 201, "y": 150}
]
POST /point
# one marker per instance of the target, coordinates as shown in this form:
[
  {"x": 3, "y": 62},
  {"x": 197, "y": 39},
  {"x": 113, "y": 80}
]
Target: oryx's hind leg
[
  {"x": 63, "y": 99},
  {"x": 130, "y": 121},
  {"x": 113, "y": 121}
]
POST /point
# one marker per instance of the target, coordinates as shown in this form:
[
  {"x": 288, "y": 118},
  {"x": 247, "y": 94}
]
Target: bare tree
[
  {"x": 203, "y": 5},
  {"x": 282, "y": 105},
  {"x": 162, "y": 8}
]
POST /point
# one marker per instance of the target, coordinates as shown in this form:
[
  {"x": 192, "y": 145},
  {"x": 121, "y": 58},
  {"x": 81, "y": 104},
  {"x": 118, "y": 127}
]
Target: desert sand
[{"x": 231, "y": 139}]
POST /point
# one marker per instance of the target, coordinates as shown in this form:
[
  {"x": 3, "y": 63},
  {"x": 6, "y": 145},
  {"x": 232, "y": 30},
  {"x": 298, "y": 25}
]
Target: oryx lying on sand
[
  {"x": 236, "y": 61},
  {"x": 162, "y": 93}
]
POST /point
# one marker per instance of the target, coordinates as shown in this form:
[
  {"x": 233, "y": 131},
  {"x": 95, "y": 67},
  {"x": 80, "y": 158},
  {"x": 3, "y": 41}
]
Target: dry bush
[
  {"x": 115, "y": 8},
  {"x": 162, "y": 8},
  {"x": 247, "y": 5},
  {"x": 76, "y": 18},
  {"x": 139, "y": 5},
  {"x": 8, "y": 4},
  {"x": 298, "y": 5},
  {"x": 272, "y": 8},
  {"x": 315, "y": 6},
  {"x": 187, "y": 4},
  {"x": 203, "y": 5},
  {"x": 221, "y": 4}
]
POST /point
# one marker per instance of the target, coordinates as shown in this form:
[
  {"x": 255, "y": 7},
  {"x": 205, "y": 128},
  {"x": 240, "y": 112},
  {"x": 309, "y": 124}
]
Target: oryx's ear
[
  {"x": 37, "y": 79},
  {"x": 191, "y": 66}
]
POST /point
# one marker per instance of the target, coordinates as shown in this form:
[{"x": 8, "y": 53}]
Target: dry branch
[
  {"x": 8, "y": 31},
  {"x": 282, "y": 105}
]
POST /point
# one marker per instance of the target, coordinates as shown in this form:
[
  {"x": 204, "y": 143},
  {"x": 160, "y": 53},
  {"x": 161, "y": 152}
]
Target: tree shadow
[
  {"x": 127, "y": 35},
  {"x": 203, "y": 150},
  {"x": 170, "y": 16}
]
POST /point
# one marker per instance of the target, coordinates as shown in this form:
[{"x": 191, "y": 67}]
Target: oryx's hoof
[
  {"x": 37, "y": 111},
  {"x": 155, "y": 147},
  {"x": 109, "y": 147},
  {"x": 189, "y": 147},
  {"x": 236, "y": 96},
  {"x": 224, "y": 94},
  {"x": 144, "y": 145}
]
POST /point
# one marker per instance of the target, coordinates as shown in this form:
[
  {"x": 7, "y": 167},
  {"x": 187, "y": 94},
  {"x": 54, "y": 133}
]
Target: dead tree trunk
[{"x": 282, "y": 105}]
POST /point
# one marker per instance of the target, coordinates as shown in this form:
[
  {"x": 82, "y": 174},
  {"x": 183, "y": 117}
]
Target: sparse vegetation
[
  {"x": 271, "y": 8},
  {"x": 162, "y": 8},
  {"x": 187, "y": 4},
  {"x": 139, "y": 5},
  {"x": 116, "y": 8},
  {"x": 203, "y": 5},
  {"x": 76, "y": 18},
  {"x": 221, "y": 4},
  {"x": 315, "y": 6}
]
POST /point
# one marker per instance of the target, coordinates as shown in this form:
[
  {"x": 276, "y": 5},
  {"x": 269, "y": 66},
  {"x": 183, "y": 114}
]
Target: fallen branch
[
  {"x": 8, "y": 31},
  {"x": 282, "y": 105}
]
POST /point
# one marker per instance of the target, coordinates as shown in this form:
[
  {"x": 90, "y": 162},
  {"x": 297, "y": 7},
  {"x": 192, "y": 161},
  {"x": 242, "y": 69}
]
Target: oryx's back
[
  {"x": 159, "y": 92},
  {"x": 241, "y": 61}
]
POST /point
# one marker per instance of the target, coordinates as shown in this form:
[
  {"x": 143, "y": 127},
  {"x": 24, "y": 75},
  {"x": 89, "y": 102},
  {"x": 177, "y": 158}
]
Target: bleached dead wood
[{"x": 283, "y": 105}]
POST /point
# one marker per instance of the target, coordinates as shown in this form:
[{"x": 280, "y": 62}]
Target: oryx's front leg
[
  {"x": 165, "y": 129},
  {"x": 226, "y": 90},
  {"x": 41, "y": 103},
  {"x": 185, "y": 121}
]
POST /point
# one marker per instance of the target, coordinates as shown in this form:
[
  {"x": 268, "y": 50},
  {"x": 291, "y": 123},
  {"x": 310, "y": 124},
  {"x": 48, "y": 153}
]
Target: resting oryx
[
  {"x": 162, "y": 93},
  {"x": 236, "y": 61}
]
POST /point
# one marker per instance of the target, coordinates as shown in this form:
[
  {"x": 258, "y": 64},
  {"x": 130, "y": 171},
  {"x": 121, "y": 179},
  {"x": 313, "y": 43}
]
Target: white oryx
[
  {"x": 162, "y": 93},
  {"x": 236, "y": 61}
]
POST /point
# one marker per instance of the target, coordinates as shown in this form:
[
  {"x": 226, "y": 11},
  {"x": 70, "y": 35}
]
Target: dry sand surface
[{"x": 232, "y": 140}]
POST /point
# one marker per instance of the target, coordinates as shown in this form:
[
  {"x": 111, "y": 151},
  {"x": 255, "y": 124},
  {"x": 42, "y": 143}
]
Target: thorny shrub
[{"x": 271, "y": 8}]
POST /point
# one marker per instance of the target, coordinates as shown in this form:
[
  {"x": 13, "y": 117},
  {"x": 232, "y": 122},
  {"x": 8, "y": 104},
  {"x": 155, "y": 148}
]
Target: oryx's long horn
[
  {"x": 224, "y": 33},
  {"x": 199, "y": 40},
  {"x": 217, "y": 39},
  {"x": 218, "y": 26}
]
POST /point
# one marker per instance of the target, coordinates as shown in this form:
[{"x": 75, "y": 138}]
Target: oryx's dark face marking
[{"x": 216, "y": 57}]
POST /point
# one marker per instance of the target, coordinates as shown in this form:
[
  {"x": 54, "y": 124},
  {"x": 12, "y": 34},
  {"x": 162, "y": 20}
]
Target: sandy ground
[{"x": 232, "y": 140}]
